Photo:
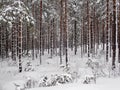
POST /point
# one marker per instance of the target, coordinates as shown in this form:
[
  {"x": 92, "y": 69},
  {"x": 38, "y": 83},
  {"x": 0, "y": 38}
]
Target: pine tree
[
  {"x": 94, "y": 30},
  {"x": 88, "y": 32},
  {"x": 103, "y": 34},
  {"x": 107, "y": 21},
  {"x": 119, "y": 34},
  {"x": 51, "y": 38},
  {"x": 48, "y": 37},
  {"x": 40, "y": 36},
  {"x": 20, "y": 43},
  {"x": 111, "y": 34},
  {"x": 33, "y": 57},
  {"x": 7, "y": 43},
  {"x": 82, "y": 31},
  {"x": 65, "y": 32},
  {"x": 0, "y": 40},
  {"x": 3, "y": 41},
  {"x": 75, "y": 36},
  {"x": 114, "y": 35},
  {"x": 91, "y": 34},
  {"x": 14, "y": 41}
]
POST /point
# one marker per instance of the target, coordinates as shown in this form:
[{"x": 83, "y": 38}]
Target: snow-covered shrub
[
  {"x": 74, "y": 75},
  {"x": 64, "y": 78},
  {"x": 90, "y": 80},
  {"x": 29, "y": 66},
  {"x": 12, "y": 63},
  {"x": 71, "y": 70},
  {"x": 86, "y": 75},
  {"x": 64, "y": 68},
  {"x": 20, "y": 86},
  {"x": 47, "y": 81},
  {"x": 53, "y": 80},
  {"x": 31, "y": 82},
  {"x": 112, "y": 72},
  {"x": 96, "y": 68},
  {"x": 93, "y": 65},
  {"x": 42, "y": 81},
  {"x": 26, "y": 54}
]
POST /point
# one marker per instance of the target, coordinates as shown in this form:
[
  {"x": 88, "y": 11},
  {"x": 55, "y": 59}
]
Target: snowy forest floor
[{"x": 9, "y": 75}]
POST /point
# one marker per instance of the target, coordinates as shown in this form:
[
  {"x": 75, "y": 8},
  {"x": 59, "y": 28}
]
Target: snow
[
  {"x": 9, "y": 75},
  {"x": 98, "y": 1},
  {"x": 102, "y": 84},
  {"x": 77, "y": 71},
  {"x": 17, "y": 9}
]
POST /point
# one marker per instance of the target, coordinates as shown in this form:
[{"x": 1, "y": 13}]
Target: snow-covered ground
[
  {"x": 102, "y": 84},
  {"x": 10, "y": 79}
]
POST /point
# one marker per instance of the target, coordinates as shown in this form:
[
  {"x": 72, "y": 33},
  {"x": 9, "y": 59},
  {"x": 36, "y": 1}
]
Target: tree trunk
[
  {"x": 75, "y": 36},
  {"x": 88, "y": 19},
  {"x": 114, "y": 35},
  {"x": 14, "y": 41},
  {"x": 65, "y": 32},
  {"x": 119, "y": 34},
  {"x": 20, "y": 44},
  {"x": 40, "y": 39},
  {"x": 107, "y": 47}
]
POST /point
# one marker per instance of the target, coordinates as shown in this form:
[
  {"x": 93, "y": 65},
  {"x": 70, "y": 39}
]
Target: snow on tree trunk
[
  {"x": 14, "y": 41},
  {"x": 20, "y": 44}
]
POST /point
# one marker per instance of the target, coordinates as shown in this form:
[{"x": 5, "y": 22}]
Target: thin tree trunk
[
  {"x": 14, "y": 41},
  {"x": 33, "y": 47},
  {"x": 103, "y": 37},
  {"x": 20, "y": 45},
  {"x": 111, "y": 35},
  {"x": 88, "y": 18},
  {"x": 0, "y": 40},
  {"x": 51, "y": 39},
  {"x": 107, "y": 47},
  {"x": 114, "y": 35},
  {"x": 75, "y": 36},
  {"x": 61, "y": 31},
  {"x": 65, "y": 32},
  {"x": 119, "y": 34},
  {"x": 40, "y": 40},
  {"x": 48, "y": 36}
]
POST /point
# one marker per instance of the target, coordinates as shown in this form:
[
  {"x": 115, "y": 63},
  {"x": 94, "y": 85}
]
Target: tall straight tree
[
  {"x": 3, "y": 41},
  {"x": 107, "y": 46},
  {"x": 48, "y": 36},
  {"x": 119, "y": 34},
  {"x": 75, "y": 36},
  {"x": 91, "y": 34},
  {"x": 114, "y": 35},
  {"x": 0, "y": 39},
  {"x": 7, "y": 43},
  {"x": 14, "y": 41},
  {"x": 82, "y": 32},
  {"x": 40, "y": 36},
  {"x": 65, "y": 32},
  {"x": 33, "y": 57},
  {"x": 51, "y": 38},
  {"x": 103, "y": 34},
  {"x": 111, "y": 34},
  {"x": 20, "y": 43},
  {"x": 94, "y": 30},
  {"x": 88, "y": 19},
  {"x": 61, "y": 29}
]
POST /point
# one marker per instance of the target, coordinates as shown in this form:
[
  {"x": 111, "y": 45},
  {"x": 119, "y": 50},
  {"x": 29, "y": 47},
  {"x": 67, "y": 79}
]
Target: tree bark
[{"x": 114, "y": 35}]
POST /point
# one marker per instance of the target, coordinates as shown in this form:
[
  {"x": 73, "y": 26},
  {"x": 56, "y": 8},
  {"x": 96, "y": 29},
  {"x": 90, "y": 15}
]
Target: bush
[
  {"x": 54, "y": 80},
  {"x": 29, "y": 67},
  {"x": 89, "y": 80}
]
